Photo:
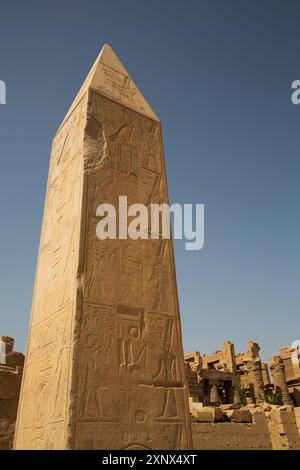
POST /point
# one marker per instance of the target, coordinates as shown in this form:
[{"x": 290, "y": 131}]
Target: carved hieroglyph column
[
  {"x": 255, "y": 379},
  {"x": 279, "y": 380},
  {"x": 104, "y": 365}
]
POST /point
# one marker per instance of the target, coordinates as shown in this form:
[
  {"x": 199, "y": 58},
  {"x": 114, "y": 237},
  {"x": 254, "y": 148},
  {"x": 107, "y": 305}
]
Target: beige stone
[
  {"x": 279, "y": 378},
  {"x": 208, "y": 414},
  {"x": 291, "y": 362},
  {"x": 297, "y": 418},
  {"x": 231, "y": 436},
  {"x": 239, "y": 416},
  {"x": 10, "y": 383},
  {"x": 274, "y": 429},
  {"x": 194, "y": 404},
  {"x": 104, "y": 366},
  {"x": 283, "y": 429}
]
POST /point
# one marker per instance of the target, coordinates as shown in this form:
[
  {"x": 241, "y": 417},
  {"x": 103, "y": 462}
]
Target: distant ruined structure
[
  {"x": 225, "y": 377},
  {"x": 292, "y": 372},
  {"x": 234, "y": 404},
  {"x": 11, "y": 368}
]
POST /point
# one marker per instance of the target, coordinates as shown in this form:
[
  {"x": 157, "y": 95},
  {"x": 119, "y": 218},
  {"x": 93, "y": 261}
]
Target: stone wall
[
  {"x": 283, "y": 429},
  {"x": 267, "y": 427},
  {"x": 230, "y": 436},
  {"x": 297, "y": 416},
  {"x": 10, "y": 384},
  {"x": 11, "y": 370}
]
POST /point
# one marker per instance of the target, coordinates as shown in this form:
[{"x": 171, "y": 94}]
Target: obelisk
[{"x": 104, "y": 365}]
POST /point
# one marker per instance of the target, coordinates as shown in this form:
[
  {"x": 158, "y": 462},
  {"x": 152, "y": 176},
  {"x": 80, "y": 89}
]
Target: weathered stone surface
[
  {"x": 291, "y": 360},
  {"x": 279, "y": 378},
  {"x": 239, "y": 416},
  {"x": 283, "y": 429},
  {"x": 275, "y": 429},
  {"x": 231, "y": 436},
  {"x": 297, "y": 417},
  {"x": 10, "y": 383},
  {"x": 208, "y": 414},
  {"x": 225, "y": 374},
  {"x": 104, "y": 367}
]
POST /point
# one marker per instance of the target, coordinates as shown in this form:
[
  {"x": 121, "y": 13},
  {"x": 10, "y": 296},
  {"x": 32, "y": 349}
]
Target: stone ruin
[
  {"x": 11, "y": 368},
  {"x": 292, "y": 372},
  {"x": 234, "y": 404},
  {"x": 228, "y": 378}
]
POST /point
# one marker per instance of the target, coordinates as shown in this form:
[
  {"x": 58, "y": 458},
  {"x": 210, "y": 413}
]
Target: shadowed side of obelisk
[
  {"x": 44, "y": 404},
  {"x": 105, "y": 359}
]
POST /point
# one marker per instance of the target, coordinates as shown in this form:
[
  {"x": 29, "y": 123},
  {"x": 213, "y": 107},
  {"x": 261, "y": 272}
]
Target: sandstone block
[{"x": 209, "y": 414}]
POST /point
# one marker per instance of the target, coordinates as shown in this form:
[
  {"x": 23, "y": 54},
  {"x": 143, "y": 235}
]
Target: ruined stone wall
[
  {"x": 283, "y": 428},
  {"x": 11, "y": 369},
  {"x": 297, "y": 416},
  {"x": 267, "y": 427},
  {"x": 230, "y": 436},
  {"x": 10, "y": 384}
]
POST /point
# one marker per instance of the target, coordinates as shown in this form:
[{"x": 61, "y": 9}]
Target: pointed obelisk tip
[
  {"x": 130, "y": 96},
  {"x": 105, "y": 49},
  {"x": 106, "y": 45},
  {"x": 126, "y": 92},
  {"x": 109, "y": 58}
]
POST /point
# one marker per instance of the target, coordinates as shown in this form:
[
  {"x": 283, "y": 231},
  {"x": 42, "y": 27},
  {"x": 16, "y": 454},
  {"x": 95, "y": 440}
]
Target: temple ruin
[
  {"x": 239, "y": 402},
  {"x": 11, "y": 369},
  {"x": 225, "y": 377}
]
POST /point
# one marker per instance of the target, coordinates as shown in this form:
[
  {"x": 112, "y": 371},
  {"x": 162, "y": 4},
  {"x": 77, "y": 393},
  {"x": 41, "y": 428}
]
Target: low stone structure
[
  {"x": 251, "y": 427},
  {"x": 11, "y": 368},
  {"x": 212, "y": 387}
]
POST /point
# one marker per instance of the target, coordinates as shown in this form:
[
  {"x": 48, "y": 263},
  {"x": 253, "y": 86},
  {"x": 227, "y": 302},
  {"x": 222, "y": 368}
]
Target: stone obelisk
[{"x": 104, "y": 366}]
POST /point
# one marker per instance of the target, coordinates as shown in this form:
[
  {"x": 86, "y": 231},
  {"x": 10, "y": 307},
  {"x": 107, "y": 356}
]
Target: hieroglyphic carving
[
  {"x": 104, "y": 366},
  {"x": 60, "y": 231},
  {"x": 134, "y": 279},
  {"x": 45, "y": 387},
  {"x": 46, "y": 373},
  {"x": 119, "y": 86},
  {"x": 98, "y": 350}
]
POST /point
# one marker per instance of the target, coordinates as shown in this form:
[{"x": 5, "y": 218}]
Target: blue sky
[{"x": 218, "y": 74}]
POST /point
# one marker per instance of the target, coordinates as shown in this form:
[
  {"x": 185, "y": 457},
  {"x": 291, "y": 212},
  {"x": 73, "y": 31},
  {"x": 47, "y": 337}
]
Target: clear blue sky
[{"x": 218, "y": 74}]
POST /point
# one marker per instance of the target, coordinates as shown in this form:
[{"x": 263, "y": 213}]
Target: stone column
[
  {"x": 6, "y": 347},
  {"x": 9, "y": 343},
  {"x": 265, "y": 373},
  {"x": 214, "y": 396},
  {"x": 279, "y": 380},
  {"x": 236, "y": 397},
  {"x": 229, "y": 355},
  {"x": 201, "y": 386},
  {"x": 255, "y": 379}
]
